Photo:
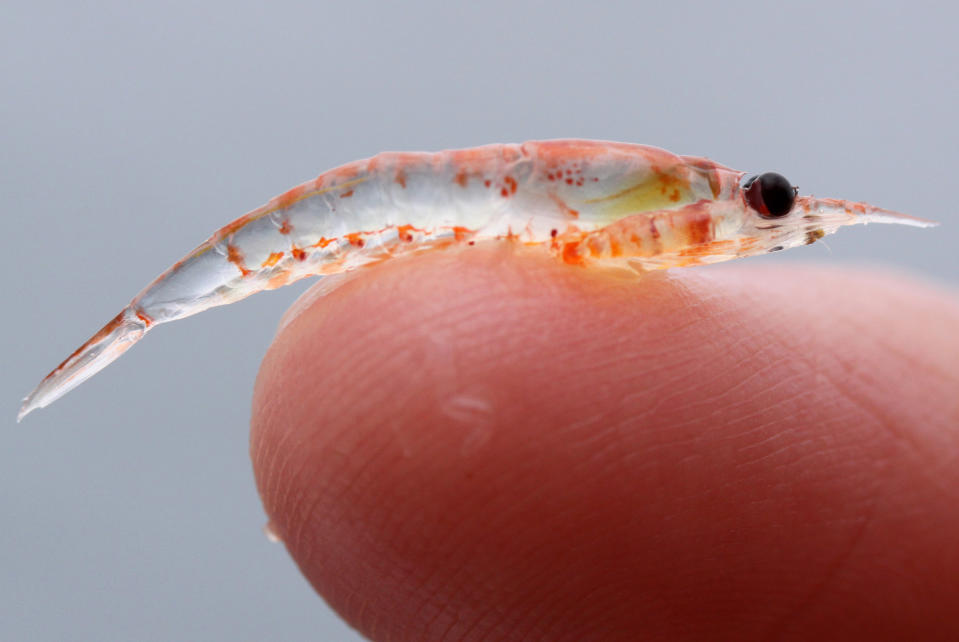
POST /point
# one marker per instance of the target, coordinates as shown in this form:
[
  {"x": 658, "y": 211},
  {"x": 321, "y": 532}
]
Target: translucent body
[{"x": 585, "y": 202}]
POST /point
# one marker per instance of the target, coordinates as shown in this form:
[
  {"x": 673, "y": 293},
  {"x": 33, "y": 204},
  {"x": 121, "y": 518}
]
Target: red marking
[
  {"x": 404, "y": 232},
  {"x": 144, "y": 317},
  {"x": 462, "y": 233},
  {"x": 234, "y": 256},
  {"x": 348, "y": 193},
  {"x": 286, "y": 228},
  {"x": 569, "y": 181},
  {"x": 298, "y": 253},
  {"x": 472, "y": 242},
  {"x": 400, "y": 178},
  {"x": 550, "y": 176},
  {"x": 653, "y": 231},
  {"x": 487, "y": 183},
  {"x": 461, "y": 178},
  {"x": 272, "y": 259},
  {"x": 699, "y": 228},
  {"x": 323, "y": 242},
  {"x": 504, "y": 192},
  {"x": 553, "y": 233},
  {"x": 672, "y": 179},
  {"x": 355, "y": 239},
  {"x": 615, "y": 247},
  {"x": 511, "y": 184},
  {"x": 572, "y": 253}
]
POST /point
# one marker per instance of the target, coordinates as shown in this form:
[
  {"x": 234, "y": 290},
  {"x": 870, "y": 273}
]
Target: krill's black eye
[{"x": 770, "y": 194}]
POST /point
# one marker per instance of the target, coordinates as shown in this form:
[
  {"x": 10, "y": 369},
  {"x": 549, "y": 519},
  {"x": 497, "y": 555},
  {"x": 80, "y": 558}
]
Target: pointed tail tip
[
  {"x": 115, "y": 338},
  {"x": 25, "y": 409}
]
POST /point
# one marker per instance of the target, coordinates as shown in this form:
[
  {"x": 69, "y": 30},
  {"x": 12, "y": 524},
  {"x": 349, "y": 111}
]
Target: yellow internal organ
[{"x": 660, "y": 191}]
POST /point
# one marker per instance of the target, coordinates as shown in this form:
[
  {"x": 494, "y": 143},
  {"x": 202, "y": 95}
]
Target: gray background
[{"x": 130, "y": 131}]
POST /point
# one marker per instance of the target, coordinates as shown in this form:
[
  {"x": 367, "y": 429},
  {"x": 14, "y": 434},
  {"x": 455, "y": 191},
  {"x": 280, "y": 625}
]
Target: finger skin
[{"x": 486, "y": 444}]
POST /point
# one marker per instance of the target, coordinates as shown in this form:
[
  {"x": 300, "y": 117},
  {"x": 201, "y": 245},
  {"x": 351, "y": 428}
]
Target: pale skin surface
[{"x": 488, "y": 444}]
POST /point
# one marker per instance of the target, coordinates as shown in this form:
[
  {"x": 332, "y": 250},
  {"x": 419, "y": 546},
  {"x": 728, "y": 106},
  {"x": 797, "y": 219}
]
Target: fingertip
[{"x": 478, "y": 442}]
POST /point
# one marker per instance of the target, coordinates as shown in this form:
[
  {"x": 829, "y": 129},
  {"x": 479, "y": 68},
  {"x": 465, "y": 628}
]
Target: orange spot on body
[
  {"x": 143, "y": 316},
  {"x": 298, "y": 253},
  {"x": 461, "y": 178},
  {"x": 286, "y": 228},
  {"x": 355, "y": 239},
  {"x": 667, "y": 182},
  {"x": 615, "y": 249},
  {"x": 674, "y": 195},
  {"x": 272, "y": 259},
  {"x": 462, "y": 233},
  {"x": 323, "y": 242},
  {"x": 699, "y": 228},
  {"x": 504, "y": 192},
  {"x": 234, "y": 256},
  {"x": 405, "y": 233},
  {"x": 511, "y": 184},
  {"x": 348, "y": 193},
  {"x": 400, "y": 178},
  {"x": 487, "y": 183},
  {"x": 572, "y": 253}
]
